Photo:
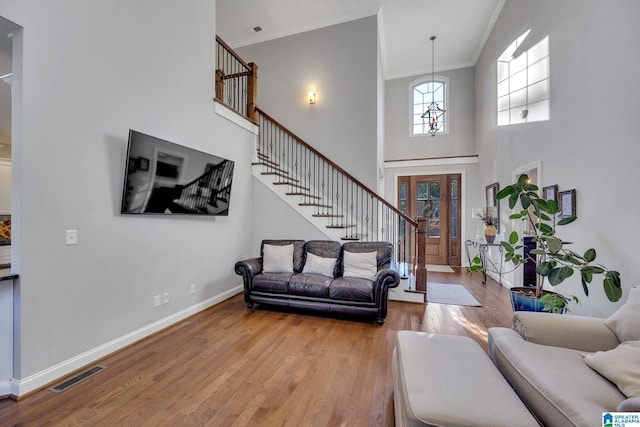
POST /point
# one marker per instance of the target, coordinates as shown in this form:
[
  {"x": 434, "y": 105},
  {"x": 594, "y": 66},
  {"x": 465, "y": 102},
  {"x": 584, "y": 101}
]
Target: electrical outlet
[
  {"x": 71, "y": 237},
  {"x": 192, "y": 288},
  {"x": 165, "y": 298},
  {"x": 157, "y": 301}
]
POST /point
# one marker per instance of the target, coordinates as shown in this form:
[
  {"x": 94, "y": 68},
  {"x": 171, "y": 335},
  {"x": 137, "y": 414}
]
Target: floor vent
[{"x": 75, "y": 380}]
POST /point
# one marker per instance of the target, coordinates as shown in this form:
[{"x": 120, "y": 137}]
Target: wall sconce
[{"x": 312, "y": 97}]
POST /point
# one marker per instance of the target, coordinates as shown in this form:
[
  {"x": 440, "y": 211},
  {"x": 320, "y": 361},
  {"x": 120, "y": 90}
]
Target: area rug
[
  {"x": 399, "y": 294},
  {"x": 441, "y": 293},
  {"x": 439, "y": 268}
]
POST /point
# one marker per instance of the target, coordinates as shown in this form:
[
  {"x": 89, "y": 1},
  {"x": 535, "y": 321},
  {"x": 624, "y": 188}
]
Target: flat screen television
[{"x": 162, "y": 177}]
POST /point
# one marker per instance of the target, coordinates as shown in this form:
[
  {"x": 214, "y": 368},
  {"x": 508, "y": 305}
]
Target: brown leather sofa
[{"x": 331, "y": 294}]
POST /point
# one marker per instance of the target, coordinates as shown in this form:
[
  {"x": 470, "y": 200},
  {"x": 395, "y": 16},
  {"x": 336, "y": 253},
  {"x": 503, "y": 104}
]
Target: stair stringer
[{"x": 293, "y": 201}]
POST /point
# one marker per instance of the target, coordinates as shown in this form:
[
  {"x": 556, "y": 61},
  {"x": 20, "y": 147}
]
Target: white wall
[
  {"x": 89, "y": 72},
  {"x": 590, "y": 142},
  {"x": 339, "y": 62},
  {"x": 460, "y": 140},
  {"x": 275, "y": 219}
]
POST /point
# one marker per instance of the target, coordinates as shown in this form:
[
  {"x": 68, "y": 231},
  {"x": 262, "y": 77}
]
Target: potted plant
[{"x": 554, "y": 261}]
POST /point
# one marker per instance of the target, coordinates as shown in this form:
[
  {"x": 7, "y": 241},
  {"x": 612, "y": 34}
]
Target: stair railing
[
  {"x": 334, "y": 194},
  {"x": 236, "y": 81}
]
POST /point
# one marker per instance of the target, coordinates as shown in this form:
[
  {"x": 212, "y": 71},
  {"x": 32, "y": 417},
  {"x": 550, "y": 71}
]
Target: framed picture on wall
[
  {"x": 567, "y": 203},
  {"x": 550, "y": 193},
  {"x": 491, "y": 204}
]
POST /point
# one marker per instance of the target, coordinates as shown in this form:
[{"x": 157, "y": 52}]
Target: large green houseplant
[{"x": 554, "y": 261}]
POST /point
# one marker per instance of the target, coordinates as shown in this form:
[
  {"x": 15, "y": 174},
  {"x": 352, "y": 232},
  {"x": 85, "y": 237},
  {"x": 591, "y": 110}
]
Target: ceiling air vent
[{"x": 75, "y": 380}]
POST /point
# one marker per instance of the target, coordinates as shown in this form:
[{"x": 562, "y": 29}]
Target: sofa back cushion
[
  {"x": 383, "y": 251},
  {"x": 298, "y": 251},
  {"x": 625, "y": 322},
  {"x": 326, "y": 249}
]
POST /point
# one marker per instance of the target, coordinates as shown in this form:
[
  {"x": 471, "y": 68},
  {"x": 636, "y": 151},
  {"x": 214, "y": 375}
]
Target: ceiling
[
  {"x": 405, "y": 26},
  {"x": 461, "y": 27}
]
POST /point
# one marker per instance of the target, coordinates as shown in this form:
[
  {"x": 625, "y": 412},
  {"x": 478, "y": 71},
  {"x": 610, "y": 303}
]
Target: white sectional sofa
[{"x": 569, "y": 370}]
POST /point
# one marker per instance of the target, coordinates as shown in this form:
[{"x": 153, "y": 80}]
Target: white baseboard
[{"x": 49, "y": 375}]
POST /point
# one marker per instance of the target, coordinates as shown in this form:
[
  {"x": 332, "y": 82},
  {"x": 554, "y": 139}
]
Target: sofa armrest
[
  {"x": 247, "y": 269},
  {"x": 387, "y": 277},
  {"x": 562, "y": 330}
]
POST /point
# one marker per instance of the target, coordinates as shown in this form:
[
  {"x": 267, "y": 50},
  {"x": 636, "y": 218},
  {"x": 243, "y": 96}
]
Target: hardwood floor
[{"x": 233, "y": 366}]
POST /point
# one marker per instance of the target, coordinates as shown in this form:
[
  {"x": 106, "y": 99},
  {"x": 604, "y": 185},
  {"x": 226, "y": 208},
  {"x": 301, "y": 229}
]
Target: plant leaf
[
  {"x": 611, "y": 289},
  {"x": 544, "y": 268},
  {"x": 590, "y": 255},
  {"x": 513, "y": 238},
  {"x": 506, "y": 191},
  {"x": 554, "y": 244},
  {"x": 553, "y": 207},
  {"x": 513, "y": 199},
  {"x": 567, "y": 220},
  {"x": 558, "y": 275}
]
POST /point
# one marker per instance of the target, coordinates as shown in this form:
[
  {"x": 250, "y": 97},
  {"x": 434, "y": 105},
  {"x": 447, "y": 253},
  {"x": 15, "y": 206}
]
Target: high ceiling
[{"x": 461, "y": 27}]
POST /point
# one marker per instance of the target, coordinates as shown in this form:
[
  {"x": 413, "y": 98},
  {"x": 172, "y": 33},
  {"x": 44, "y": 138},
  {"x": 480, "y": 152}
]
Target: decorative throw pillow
[
  {"x": 318, "y": 265},
  {"x": 621, "y": 366},
  {"x": 277, "y": 259},
  {"x": 632, "y": 404},
  {"x": 360, "y": 264},
  {"x": 625, "y": 322}
]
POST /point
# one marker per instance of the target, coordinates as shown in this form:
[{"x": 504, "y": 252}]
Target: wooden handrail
[
  {"x": 413, "y": 222},
  {"x": 232, "y": 52}
]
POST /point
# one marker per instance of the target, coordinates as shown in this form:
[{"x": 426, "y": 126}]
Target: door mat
[
  {"x": 439, "y": 268},
  {"x": 441, "y": 293}
]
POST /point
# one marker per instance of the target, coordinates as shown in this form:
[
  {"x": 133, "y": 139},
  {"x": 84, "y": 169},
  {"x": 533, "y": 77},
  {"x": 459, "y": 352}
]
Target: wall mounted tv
[{"x": 162, "y": 177}]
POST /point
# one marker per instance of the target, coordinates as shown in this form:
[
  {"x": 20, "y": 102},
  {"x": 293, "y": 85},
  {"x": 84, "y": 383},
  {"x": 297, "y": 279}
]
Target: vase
[
  {"x": 489, "y": 233},
  {"x": 524, "y": 299}
]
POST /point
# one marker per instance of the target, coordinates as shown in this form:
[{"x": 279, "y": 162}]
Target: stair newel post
[
  {"x": 421, "y": 261},
  {"x": 252, "y": 93},
  {"x": 219, "y": 85}
]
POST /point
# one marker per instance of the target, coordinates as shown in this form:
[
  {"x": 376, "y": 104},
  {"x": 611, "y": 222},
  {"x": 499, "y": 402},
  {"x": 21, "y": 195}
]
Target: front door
[{"x": 435, "y": 197}]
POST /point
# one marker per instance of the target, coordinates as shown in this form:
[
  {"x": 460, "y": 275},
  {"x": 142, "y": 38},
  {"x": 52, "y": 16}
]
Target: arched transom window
[{"x": 423, "y": 92}]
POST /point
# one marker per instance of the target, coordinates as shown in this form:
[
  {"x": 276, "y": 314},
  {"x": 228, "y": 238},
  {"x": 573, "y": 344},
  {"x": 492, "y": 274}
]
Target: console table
[{"x": 481, "y": 248}]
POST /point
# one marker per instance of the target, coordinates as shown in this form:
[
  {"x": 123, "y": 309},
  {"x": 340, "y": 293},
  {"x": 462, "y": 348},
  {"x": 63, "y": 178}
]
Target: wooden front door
[{"x": 437, "y": 198}]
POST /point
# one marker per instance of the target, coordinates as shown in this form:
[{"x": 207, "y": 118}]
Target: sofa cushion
[
  {"x": 361, "y": 264},
  {"x": 554, "y": 382},
  {"x": 317, "y": 265},
  {"x": 272, "y": 282},
  {"x": 277, "y": 259},
  {"x": 621, "y": 366},
  {"x": 310, "y": 285},
  {"x": 325, "y": 249},
  {"x": 298, "y": 251},
  {"x": 625, "y": 322},
  {"x": 351, "y": 289}
]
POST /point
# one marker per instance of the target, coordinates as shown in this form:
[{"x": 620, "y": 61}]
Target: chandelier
[{"x": 432, "y": 116}]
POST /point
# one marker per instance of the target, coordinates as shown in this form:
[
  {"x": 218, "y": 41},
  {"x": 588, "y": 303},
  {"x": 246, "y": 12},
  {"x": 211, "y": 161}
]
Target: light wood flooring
[{"x": 233, "y": 366}]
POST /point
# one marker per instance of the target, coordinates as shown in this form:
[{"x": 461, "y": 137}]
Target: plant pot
[
  {"x": 524, "y": 299},
  {"x": 489, "y": 233}
]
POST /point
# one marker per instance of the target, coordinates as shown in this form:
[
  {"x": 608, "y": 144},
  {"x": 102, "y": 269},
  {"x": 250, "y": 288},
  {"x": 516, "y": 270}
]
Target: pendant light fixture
[{"x": 434, "y": 113}]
